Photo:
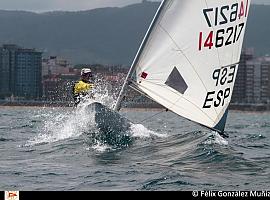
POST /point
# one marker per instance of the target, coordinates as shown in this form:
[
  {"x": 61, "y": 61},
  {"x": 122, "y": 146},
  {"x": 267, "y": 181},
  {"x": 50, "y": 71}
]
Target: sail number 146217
[{"x": 220, "y": 16}]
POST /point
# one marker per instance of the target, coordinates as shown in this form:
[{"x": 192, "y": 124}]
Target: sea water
[{"x": 48, "y": 149}]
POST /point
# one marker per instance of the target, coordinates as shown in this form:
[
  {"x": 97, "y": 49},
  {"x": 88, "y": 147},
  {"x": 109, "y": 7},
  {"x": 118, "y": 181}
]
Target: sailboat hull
[{"x": 108, "y": 121}]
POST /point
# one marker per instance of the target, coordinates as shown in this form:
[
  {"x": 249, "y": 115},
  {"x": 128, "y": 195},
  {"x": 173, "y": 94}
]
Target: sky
[
  {"x": 72, "y": 5},
  {"x": 66, "y": 5}
]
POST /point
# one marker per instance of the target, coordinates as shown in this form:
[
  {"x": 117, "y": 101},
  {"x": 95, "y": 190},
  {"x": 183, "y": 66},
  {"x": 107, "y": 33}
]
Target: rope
[{"x": 152, "y": 116}]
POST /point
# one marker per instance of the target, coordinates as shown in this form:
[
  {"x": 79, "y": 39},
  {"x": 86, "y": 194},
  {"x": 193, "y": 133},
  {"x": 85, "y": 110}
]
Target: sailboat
[{"x": 189, "y": 57}]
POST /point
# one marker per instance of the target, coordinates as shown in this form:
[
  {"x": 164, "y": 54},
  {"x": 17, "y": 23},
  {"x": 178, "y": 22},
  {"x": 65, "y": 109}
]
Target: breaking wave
[{"x": 64, "y": 123}]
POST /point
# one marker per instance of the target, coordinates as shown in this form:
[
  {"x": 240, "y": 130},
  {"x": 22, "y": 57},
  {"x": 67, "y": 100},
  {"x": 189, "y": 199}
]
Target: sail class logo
[
  {"x": 11, "y": 195},
  {"x": 144, "y": 75}
]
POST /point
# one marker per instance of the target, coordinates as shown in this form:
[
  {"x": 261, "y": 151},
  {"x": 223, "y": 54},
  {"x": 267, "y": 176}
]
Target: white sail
[{"x": 189, "y": 59}]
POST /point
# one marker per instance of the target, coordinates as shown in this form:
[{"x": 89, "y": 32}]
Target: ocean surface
[{"x": 49, "y": 149}]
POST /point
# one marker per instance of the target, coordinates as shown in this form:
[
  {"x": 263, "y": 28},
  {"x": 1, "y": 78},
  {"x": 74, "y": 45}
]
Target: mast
[{"x": 117, "y": 106}]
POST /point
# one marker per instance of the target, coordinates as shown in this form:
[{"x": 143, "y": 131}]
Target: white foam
[
  {"x": 215, "y": 138},
  {"x": 139, "y": 131},
  {"x": 61, "y": 126},
  {"x": 102, "y": 94},
  {"x": 99, "y": 147}
]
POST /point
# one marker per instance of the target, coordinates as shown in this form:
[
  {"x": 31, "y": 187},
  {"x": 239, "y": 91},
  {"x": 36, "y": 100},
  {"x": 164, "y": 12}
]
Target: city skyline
[
  {"x": 48, "y": 73},
  {"x": 71, "y": 5}
]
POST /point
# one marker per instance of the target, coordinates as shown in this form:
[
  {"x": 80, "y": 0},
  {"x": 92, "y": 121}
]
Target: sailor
[{"x": 84, "y": 87}]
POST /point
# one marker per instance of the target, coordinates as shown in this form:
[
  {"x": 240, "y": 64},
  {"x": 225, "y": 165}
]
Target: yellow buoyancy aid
[{"x": 82, "y": 87}]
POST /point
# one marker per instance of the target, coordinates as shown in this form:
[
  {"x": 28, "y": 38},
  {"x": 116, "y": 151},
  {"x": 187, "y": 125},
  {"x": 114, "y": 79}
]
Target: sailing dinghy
[{"x": 189, "y": 57}]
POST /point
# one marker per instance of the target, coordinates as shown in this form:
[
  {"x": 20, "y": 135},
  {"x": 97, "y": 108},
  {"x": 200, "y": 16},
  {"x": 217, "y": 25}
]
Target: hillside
[{"x": 107, "y": 35}]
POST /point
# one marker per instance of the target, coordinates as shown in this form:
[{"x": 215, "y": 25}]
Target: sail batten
[{"x": 189, "y": 58}]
